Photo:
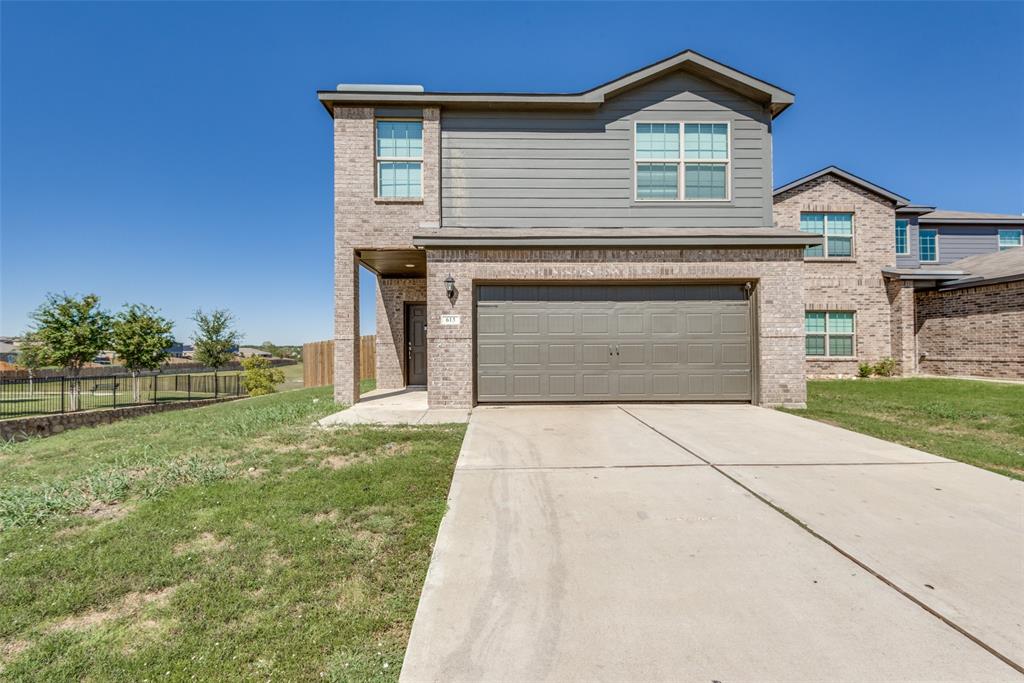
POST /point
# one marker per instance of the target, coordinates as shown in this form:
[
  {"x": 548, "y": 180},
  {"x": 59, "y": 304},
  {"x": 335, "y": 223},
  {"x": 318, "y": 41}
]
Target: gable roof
[
  {"x": 969, "y": 217},
  {"x": 987, "y": 269},
  {"x": 850, "y": 178},
  {"x": 775, "y": 97}
]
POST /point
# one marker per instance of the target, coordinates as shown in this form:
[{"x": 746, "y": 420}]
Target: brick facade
[
  {"x": 848, "y": 284},
  {"x": 776, "y": 274},
  {"x": 392, "y": 295},
  {"x": 975, "y": 331},
  {"x": 362, "y": 221}
]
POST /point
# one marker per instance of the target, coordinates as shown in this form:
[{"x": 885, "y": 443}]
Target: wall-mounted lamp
[{"x": 449, "y": 287}]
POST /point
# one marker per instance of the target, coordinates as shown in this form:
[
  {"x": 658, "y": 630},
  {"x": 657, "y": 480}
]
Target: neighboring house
[
  {"x": 251, "y": 352},
  {"x": 8, "y": 350},
  {"x": 618, "y": 244},
  {"x": 973, "y": 325},
  {"x": 179, "y": 350},
  {"x": 866, "y": 289}
]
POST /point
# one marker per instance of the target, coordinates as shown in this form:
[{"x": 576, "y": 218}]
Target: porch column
[
  {"x": 346, "y": 326},
  {"x": 904, "y": 327}
]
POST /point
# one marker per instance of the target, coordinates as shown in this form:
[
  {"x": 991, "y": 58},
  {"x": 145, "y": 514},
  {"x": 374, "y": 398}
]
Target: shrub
[
  {"x": 260, "y": 378},
  {"x": 865, "y": 369},
  {"x": 885, "y": 367}
]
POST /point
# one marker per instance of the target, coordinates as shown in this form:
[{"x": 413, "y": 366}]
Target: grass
[
  {"x": 980, "y": 423},
  {"x": 230, "y": 542}
]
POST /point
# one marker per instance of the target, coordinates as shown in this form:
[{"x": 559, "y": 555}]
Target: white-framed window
[
  {"x": 928, "y": 245},
  {"x": 830, "y": 333},
  {"x": 399, "y": 158},
  {"x": 679, "y": 161},
  {"x": 837, "y": 229},
  {"x": 902, "y": 236},
  {"x": 1011, "y": 239}
]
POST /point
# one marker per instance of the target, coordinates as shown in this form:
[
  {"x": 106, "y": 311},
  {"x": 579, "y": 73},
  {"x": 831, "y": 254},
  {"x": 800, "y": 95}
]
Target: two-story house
[
  {"x": 623, "y": 243},
  {"x": 940, "y": 292}
]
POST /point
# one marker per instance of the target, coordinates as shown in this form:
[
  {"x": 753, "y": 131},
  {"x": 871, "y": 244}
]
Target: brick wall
[
  {"x": 972, "y": 332},
  {"x": 853, "y": 284},
  {"x": 392, "y": 295},
  {"x": 775, "y": 272},
  {"x": 363, "y": 221}
]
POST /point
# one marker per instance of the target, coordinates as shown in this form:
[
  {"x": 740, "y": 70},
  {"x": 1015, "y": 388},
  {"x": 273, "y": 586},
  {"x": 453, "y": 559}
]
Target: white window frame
[
  {"x": 999, "y": 238},
  {"x": 919, "y": 241},
  {"x": 681, "y": 162},
  {"x": 824, "y": 237},
  {"x": 377, "y": 159},
  {"x": 826, "y": 334},
  {"x": 906, "y": 237}
]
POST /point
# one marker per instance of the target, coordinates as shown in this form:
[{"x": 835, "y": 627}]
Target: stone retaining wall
[{"x": 21, "y": 428}]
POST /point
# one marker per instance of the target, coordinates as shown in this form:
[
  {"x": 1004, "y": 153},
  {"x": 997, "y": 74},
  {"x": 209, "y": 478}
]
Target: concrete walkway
[
  {"x": 395, "y": 407},
  {"x": 716, "y": 543}
]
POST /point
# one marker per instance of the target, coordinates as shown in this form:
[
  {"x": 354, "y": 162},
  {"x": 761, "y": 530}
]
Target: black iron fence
[{"x": 49, "y": 395}]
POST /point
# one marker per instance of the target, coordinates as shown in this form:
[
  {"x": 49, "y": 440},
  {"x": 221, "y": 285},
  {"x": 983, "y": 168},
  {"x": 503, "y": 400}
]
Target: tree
[
  {"x": 141, "y": 338},
  {"x": 214, "y": 338},
  {"x": 32, "y": 356},
  {"x": 260, "y": 377},
  {"x": 72, "y": 330}
]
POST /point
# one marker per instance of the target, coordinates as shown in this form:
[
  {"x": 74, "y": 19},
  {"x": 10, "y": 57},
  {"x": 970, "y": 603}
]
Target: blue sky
[{"x": 175, "y": 154}]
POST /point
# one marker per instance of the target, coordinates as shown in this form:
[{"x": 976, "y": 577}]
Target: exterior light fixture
[
  {"x": 449, "y": 287},
  {"x": 410, "y": 265}
]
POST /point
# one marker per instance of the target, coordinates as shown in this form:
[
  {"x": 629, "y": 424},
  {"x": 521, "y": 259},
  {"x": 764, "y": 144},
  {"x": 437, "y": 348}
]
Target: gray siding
[
  {"x": 960, "y": 241},
  {"x": 909, "y": 260},
  {"x": 575, "y": 169}
]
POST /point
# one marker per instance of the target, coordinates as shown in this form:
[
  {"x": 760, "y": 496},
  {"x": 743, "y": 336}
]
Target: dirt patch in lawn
[
  {"x": 9, "y": 649},
  {"x": 203, "y": 544},
  {"x": 328, "y": 516},
  {"x": 105, "y": 511},
  {"x": 129, "y": 605}
]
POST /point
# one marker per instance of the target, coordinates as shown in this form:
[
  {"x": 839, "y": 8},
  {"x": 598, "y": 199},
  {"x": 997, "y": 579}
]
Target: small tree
[
  {"x": 32, "y": 356},
  {"x": 141, "y": 339},
  {"x": 214, "y": 338},
  {"x": 72, "y": 330},
  {"x": 260, "y": 377}
]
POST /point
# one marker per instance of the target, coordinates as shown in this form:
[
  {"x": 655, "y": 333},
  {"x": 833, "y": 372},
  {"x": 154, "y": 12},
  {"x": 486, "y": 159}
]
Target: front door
[{"x": 416, "y": 344}]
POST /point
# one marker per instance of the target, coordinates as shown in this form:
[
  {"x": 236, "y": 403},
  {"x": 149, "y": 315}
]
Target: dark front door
[{"x": 416, "y": 344}]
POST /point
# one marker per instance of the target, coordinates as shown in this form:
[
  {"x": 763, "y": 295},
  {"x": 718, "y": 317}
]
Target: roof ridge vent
[{"x": 378, "y": 87}]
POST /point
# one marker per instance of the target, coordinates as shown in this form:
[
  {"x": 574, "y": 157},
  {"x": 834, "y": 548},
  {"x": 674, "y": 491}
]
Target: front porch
[
  {"x": 401, "y": 321},
  {"x": 396, "y": 407}
]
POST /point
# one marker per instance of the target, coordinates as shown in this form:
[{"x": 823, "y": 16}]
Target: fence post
[
  {"x": 154, "y": 387},
  {"x": 114, "y": 390},
  {"x": 62, "y": 392},
  {"x": 215, "y": 385},
  {"x": 188, "y": 383}
]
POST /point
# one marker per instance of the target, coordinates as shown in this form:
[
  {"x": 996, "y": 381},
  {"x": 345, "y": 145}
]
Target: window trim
[
  {"x": 999, "y": 238},
  {"x": 826, "y": 336},
  {"x": 824, "y": 237},
  {"x": 921, "y": 241},
  {"x": 377, "y": 159},
  {"x": 906, "y": 237},
  {"x": 681, "y": 162}
]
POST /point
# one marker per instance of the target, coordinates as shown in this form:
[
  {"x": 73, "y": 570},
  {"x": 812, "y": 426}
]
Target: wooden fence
[{"x": 318, "y": 361}]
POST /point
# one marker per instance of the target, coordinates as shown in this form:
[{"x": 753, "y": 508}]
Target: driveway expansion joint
[{"x": 806, "y": 527}]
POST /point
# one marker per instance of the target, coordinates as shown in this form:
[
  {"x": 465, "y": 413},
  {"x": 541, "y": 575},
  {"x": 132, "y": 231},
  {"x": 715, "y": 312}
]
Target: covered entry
[{"x": 563, "y": 342}]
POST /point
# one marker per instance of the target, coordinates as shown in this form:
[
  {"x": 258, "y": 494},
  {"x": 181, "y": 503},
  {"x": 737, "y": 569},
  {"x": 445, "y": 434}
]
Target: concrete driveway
[{"x": 716, "y": 543}]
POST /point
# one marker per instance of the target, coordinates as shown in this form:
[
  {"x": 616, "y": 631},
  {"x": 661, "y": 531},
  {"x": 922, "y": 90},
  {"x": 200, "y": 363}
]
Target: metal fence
[{"x": 50, "y": 395}]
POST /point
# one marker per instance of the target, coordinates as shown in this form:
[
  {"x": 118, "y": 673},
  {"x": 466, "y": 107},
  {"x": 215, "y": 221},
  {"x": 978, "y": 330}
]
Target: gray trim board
[{"x": 771, "y": 95}]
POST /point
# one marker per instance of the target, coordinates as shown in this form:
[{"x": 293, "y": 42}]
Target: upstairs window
[
  {"x": 1010, "y": 239},
  {"x": 928, "y": 245},
  {"x": 693, "y": 166},
  {"x": 901, "y": 237},
  {"x": 837, "y": 228},
  {"x": 829, "y": 333},
  {"x": 399, "y": 154}
]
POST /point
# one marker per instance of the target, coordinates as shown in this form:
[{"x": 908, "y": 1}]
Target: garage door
[{"x": 613, "y": 343}]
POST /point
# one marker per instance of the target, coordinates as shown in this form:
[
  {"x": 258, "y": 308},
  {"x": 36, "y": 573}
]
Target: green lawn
[
  {"x": 981, "y": 423},
  {"x": 230, "y": 542}
]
